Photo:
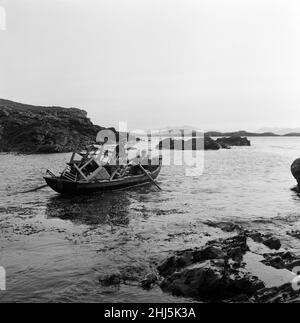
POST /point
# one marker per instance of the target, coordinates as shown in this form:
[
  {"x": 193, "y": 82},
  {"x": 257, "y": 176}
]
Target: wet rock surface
[
  {"x": 211, "y": 280},
  {"x": 217, "y": 271},
  {"x": 225, "y": 226},
  {"x": 295, "y": 169},
  {"x": 149, "y": 281},
  {"x": 282, "y": 294},
  {"x": 282, "y": 260},
  {"x": 266, "y": 239},
  {"x": 294, "y": 233},
  {"x": 111, "y": 279}
]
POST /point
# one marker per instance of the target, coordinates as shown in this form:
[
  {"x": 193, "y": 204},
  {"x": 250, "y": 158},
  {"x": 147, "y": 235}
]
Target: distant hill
[
  {"x": 189, "y": 131},
  {"x": 174, "y": 131},
  {"x": 36, "y": 129},
  {"x": 280, "y": 131},
  {"x": 240, "y": 133},
  {"x": 292, "y": 134}
]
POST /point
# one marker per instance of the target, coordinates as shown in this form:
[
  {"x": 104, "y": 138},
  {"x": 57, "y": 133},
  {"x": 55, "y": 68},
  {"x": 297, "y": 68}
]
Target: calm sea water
[{"x": 57, "y": 249}]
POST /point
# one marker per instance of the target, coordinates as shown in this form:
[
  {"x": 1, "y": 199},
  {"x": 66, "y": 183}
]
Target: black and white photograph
[{"x": 149, "y": 154}]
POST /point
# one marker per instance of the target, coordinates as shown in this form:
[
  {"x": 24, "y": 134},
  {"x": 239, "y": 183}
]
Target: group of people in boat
[{"x": 99, "y": 163}]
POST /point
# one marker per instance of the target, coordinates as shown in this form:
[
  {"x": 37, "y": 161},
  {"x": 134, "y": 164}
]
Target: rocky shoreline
[
  {"x": 36, "y": 130},
  {"x": 219, "y": 271},
  {"x": 32, "y": 129}
]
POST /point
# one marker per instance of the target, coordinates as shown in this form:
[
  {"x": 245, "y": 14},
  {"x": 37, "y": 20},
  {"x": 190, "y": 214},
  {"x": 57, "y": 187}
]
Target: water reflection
[{"x": 97, "y": 208}]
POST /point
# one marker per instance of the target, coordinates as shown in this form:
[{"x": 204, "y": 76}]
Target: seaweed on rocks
[{"x": 217, "y": 272}]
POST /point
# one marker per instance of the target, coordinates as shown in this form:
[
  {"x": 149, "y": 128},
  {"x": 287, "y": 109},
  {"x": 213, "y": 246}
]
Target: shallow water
[{"x": 57, "y": 249}]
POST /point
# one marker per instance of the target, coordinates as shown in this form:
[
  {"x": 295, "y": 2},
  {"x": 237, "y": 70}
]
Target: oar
[
  {"x": 152, "y": 180},
  {"x": 35, "y": 189}
]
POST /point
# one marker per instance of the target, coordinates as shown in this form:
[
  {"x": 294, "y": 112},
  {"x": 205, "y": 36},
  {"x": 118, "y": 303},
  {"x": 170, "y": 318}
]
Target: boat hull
[{"x": 63, "y": 186}]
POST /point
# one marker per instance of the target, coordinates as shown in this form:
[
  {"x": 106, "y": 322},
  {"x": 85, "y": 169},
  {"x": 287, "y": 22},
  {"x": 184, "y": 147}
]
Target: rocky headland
[{"x": 35, "y": 129}]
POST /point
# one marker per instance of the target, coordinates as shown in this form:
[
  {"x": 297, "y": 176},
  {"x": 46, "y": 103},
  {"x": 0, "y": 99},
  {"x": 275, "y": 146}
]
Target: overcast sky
[{"x": 214, "y": 64}]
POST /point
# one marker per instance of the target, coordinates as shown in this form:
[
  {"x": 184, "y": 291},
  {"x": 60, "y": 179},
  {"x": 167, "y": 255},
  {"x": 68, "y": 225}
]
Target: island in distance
[
  {"x": 37, "y": 129},
  {"x": 205, "y": 142}
]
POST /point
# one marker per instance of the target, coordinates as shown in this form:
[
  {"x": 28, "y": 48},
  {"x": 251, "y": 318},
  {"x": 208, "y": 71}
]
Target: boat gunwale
[{"x": 122, "y": 179}]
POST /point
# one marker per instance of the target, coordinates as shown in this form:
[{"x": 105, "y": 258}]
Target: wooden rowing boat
[
  {"x": 77, "y": 181},
  {"x": 64, "y": 186}
]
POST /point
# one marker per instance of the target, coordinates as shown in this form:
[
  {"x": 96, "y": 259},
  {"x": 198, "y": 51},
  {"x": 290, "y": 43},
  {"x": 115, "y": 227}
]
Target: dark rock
[
  {"x": 295, "y": 169},
  {"x": 239, "y": 241},
  {"x": 293, "y": 264},
  {"x": 281, "y": 260},
  {"x": 176, "y": 262},
  {"x": 236, "y": 254},
  {"x": 211, "y": 281},
  {"x": 216, "y": 249},
  {"x": 234, "y": 141},
  {"x": 266, "y": 239},
  {"x": 216, "y": 272},
  {"x": 211, "y": 252},
  {"x": 111, "y": 279},
  {"x": 294, "y": 233},
  {"x": 223, "y": 145},
  {"x": 272, "y": 243},
  {"x": 255, "y": 236},
  {"x": 225, "y": 226},
  {"x": 210, "y": 144},
  {"x": 205, "y": 143},
  {"x": 149, "y": 281},
  {"x": 213, "y": 272},
  {"x": 33, "y": 129},
  {"x": 282, "y": 294}
]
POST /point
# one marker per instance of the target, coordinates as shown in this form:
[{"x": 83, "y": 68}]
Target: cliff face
[{"x": 33, "y": 129}]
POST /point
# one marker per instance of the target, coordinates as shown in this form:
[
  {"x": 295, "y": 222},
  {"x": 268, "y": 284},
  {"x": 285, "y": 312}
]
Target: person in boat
[
  {"x": 117, "y": 165},
  {"x": 120, "y": 153},
  {"x": 119, "y": 156},
  {"x": 102, "y": 151},
  {"x": 100, "y": 147},
  {"x": 141, "y": 159},
  {"x": 95, "y": 151}
]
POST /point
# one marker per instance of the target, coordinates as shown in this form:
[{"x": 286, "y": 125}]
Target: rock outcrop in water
[
  {"x": 34, "y": 129},
  {"x": 234, "y": 141},
  {"x": 295, "y": 169},
  {"x": 206, "y": 143}
]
